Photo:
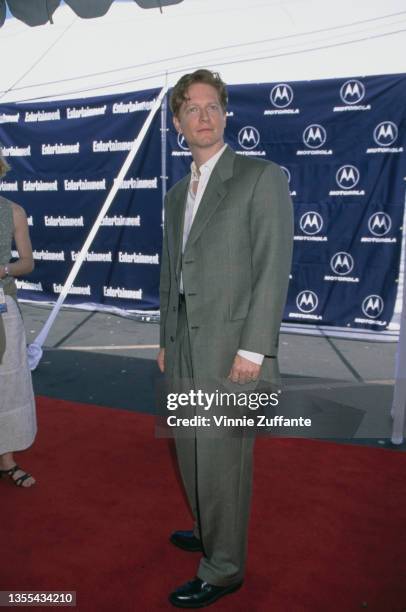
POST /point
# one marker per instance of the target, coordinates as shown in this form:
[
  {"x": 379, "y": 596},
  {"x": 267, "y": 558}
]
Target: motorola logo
[
  {"x": 311, "y": 223},
  {"x": 385, "y": 133},
  {"x": 182, "y": 144},
  {"x": 314, "y": 136},
  {"x": 352, "y": 92},
  {"x": 248, "y": 137},
  {"x": 307, "y": 301},
  {"x": 347, "y": 177},
  {"x": 342, "y": 263},
  {"x": 281, "y": 95},
  {"x": 379, "y": 224},
  {"x": 372, "y": 306},
  {"x": 287, "y": 172}
]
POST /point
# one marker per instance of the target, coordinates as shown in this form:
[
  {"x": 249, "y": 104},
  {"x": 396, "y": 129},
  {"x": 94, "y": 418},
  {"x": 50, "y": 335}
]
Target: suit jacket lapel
[
  {"x": 179, "y": 206},
  {"x": 214, "y": 193}
]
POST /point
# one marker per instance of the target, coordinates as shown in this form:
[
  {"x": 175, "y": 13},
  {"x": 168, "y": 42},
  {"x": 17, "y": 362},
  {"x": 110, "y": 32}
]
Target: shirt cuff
[{"x": 254, "y": 357}]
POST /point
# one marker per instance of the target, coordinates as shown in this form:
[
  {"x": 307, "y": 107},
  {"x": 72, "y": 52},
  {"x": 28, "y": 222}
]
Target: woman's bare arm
[{"x": 25, "y": 262}]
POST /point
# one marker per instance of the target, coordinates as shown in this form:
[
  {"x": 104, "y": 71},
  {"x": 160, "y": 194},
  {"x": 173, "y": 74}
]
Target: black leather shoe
[
  {"x": 197, "y": 594},
  {"x": 186, "y": 540}
]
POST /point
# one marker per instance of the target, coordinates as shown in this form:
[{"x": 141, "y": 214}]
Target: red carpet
[{"x": 328, "y": 528}]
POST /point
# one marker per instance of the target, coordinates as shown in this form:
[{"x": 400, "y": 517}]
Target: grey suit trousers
[{"x": 217, "y": 476}]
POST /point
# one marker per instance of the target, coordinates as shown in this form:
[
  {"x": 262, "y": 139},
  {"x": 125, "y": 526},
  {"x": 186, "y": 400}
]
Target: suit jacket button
[
  {"x": 172, "y": 339},
  {"x": 174, "y": 309}
]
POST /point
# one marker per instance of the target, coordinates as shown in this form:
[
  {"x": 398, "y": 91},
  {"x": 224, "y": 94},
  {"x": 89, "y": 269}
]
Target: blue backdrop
[{"x": 340, "y": 142}]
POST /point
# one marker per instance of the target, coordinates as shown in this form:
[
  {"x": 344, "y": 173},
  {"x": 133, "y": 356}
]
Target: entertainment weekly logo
[
  {"x": 42, "y": 115},
  {"x": 81, "y": 112},
  {"x": 8, "y": 186},
  {"x": 60, "y": 149},
  {"x": 27, "y": 286},
  {"x": 122, "y": 293},
  {"x": 9, "y": 117},
  {"x": 74, "y": 290},
  {"x": 14, "y": 151},
  {"x": 121, "y": 108},
  {"x": 45, "y": 255},
  {"x": 63, "y": 221}
]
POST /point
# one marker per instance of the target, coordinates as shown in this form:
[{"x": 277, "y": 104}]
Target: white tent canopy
[
  {"x": 246, "y": 40},
  {"x": 39, "y": 12}
]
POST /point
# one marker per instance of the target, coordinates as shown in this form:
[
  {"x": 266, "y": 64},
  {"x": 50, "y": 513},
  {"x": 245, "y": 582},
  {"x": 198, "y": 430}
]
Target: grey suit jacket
[{"x": 235, "y": 266}]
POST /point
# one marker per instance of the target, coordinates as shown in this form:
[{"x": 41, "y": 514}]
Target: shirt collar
[{"x": 207, "y": 166}]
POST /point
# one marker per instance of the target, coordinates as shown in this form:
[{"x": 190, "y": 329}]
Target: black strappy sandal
[{"x": 17, "y": 481}]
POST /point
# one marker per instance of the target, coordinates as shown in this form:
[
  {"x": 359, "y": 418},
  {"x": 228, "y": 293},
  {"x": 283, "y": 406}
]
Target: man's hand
[
  {"x": 161, "y": 360},
  {"x": 244, "y": 371}
]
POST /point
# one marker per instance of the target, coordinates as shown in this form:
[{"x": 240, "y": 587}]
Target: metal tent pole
[
  {"x": 399, "y": 393},
  {"x": 164, "y": 147}
]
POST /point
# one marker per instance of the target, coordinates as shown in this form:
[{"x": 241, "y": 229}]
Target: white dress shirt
[{"x": 197, "y": 186}]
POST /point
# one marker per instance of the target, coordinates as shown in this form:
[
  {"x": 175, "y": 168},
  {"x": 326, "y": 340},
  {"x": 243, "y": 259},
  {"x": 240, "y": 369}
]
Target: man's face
[{"x": 201, "y": 117}]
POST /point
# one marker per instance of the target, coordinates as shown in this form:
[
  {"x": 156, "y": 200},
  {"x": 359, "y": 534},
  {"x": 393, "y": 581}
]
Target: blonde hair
[
  {"x": 4, "y": 167},
  {"x": 179, "y": 92}
]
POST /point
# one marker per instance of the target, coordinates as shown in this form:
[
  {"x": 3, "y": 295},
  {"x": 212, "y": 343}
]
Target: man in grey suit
[{"x": 225, "y": 265}]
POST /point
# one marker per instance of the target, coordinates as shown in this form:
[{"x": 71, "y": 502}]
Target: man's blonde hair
[{"x": 179, "y": 92}]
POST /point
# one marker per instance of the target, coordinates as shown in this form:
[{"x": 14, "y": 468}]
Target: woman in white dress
[{"x": 18, "y": 425}]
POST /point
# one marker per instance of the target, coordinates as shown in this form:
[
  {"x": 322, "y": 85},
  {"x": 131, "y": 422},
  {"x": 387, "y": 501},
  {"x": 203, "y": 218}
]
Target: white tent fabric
[
  {"x": 246, "y": 40},
  {"x": 39, "y": 12}
]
